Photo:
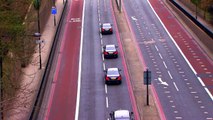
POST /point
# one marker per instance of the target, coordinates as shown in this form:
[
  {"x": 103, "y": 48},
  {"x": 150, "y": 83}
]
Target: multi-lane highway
[
  {"x": 97, "y": 99},
  {"x": 181, "y": 94},
  {"x": 78, "y": 90}
]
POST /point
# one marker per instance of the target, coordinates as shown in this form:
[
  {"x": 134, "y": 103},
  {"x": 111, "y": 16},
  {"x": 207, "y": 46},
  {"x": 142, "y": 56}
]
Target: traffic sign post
[
  {"x": 147, "y": 81},
  {"x": 54, "y": 12}
]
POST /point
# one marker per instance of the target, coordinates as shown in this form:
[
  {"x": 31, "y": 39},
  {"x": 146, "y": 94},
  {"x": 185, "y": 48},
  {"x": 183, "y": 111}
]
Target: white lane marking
[
  {"x": 164, "y": 64},
  {"x": 209, "y": 118},
  {"x": 209, "y": 93},
  {"x": 133, "y": 18},
  {"x": 202, "y": 84},
  {"x": 107, "y": 102},
  {"x": 101, "y": 36},
  {"x": 104, "y": 66},
  {"x": 103, "y": 57},
  {"x": 178, "y": 118},
  {"x": 79, "y": 67},
  {"x": 162, "y": 82},
  {"x": 156, "y": 48},
  {"x": 175, "y": 86},
  {"x": 170, "y": 75},
  {"x": 101, "y": 42},
  {"x": 160, "y": 56},
  {"x": 105, "y": 88},
  {"x": 211, "y": 96}
]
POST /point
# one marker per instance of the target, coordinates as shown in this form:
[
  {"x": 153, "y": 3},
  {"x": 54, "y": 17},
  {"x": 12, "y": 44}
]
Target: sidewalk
[{"x": 22, "y": 106}]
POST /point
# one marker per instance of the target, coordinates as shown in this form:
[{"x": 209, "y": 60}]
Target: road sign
[
  {"x": 54, "y": 10},
  {"x": 147, "y": 77}
]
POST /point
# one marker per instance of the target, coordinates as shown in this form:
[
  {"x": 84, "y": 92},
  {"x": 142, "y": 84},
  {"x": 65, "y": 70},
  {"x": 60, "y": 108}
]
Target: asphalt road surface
[
  {"x": 97, "y": 100},
  {"x": 181, "y": 94}
]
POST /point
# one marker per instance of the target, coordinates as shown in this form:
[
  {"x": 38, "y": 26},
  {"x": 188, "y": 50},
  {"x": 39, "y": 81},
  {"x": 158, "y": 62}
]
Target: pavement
[{"x": 32, "y": 78}]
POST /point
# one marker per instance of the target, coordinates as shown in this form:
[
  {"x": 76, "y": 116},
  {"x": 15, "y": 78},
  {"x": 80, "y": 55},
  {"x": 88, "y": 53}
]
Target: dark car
[
  {"x": 112, "y": 76},
  {"x": 106, "y": 28},
  {"x": 110, "y": 51}
]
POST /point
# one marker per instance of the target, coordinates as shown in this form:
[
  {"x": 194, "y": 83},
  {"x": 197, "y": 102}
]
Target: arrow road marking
[
  {"x": 133, "y": 18},
  {"x": 162, "y": 82}
]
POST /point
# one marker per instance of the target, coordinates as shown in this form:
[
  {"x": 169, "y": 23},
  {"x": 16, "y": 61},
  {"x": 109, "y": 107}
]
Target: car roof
[{"x": 121, "y": 114}]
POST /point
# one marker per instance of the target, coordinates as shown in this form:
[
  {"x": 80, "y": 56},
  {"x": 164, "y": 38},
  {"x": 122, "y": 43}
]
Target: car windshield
[
  {"x": 106, "y": 25},
  {"x": 113, "y": 72}
]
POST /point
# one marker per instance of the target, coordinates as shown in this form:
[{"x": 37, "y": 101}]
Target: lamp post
[
  {"x": 39, "y": 47},
  {"x": 37, "y": 6}
]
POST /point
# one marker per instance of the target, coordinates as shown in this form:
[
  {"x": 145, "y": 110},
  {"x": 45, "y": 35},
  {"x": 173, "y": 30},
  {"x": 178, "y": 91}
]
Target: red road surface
[
  {"x": 62, "y": 102},
  {"x": 195, "y": 55}
]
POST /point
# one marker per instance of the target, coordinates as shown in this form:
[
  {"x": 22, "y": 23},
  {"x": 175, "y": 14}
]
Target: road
[
  {"x": 97, "y": 100},
  {"x": 83, "y": 95},
  {"x": 181, "y": 94}
]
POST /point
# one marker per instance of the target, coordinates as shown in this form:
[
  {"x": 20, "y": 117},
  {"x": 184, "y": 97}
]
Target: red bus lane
[
  {"x": 196, "y": 56},
  {"x": 62, "y": 101}
]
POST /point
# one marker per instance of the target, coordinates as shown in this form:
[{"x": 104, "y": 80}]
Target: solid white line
[
  {"x": 107, "y": 102},
  {"x": 156, "y": 48},
  {"x": 170, "y": 75},
  {"x": 79, "y": 67},
  {"x": 164, "y": 64},
  {"x": 176, "y": 86},
  {"x": 201, "y": 81},
  {"x": 178, "y": 47},
  {"x": 207, "y": 90}
]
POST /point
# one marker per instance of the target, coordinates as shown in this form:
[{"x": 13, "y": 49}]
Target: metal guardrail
[
  {"x": 205, "y": 29},
  {"x": 41, "y": 91}
]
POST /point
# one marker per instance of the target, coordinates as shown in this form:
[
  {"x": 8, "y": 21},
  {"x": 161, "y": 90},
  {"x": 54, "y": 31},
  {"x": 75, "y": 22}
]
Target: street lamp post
[
  {"x": 39, "y": 47},
  {"x": 37, "y": 6}
]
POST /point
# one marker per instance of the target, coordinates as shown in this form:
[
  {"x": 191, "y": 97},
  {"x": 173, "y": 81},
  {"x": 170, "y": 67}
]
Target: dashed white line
[
  {"x": 177, "y": 118},
  {"x": 107, "y": 102},
  {"x": 160, "y": 56},
  {"x": 156, "y": 48},
  {"x": 165, "y": 64},
  {"x": 170, "y": 75},
  {"x": 175, "y": 86},
  {"x": 103, "y": 57},
  {"x": 105, "y": 88},
  {"x": 104, "y": 66}
]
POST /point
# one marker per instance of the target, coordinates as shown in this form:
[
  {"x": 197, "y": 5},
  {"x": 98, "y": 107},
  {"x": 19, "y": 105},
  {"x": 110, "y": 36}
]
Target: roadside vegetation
[
  {"x": 16, "y": 47},
  {"x": 19, "y": 22},
  {"x": 204, "y": 8}
]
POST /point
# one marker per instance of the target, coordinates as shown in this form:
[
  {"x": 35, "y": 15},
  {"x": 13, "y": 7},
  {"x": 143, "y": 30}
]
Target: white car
[{"x": 121, "y": 115}]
